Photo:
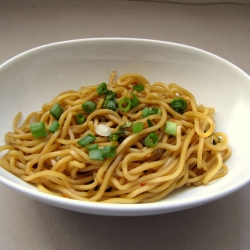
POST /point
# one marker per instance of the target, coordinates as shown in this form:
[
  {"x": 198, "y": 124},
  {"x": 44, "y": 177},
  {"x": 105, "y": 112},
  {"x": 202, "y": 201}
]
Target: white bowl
[{"x": 36, "y": 76}]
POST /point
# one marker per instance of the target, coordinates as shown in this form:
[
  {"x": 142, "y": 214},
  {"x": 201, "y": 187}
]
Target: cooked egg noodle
[{"x": 57, "y": 165}]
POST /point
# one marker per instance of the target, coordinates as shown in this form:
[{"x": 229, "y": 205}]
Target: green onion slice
[
  {"x": 54, "y": 126},
  {"x": 56, "y": 111},
  {"x": 102, "y": 88},
  {"x": 124, "y": 104},
  {"x": 80, "y": 119},
  {"x": 146, "y": 112},
  {"x": 113, "y": 137},
  {"x": 86, "y": 140},
  {"x": 137, "y": 127},
  {"x": 96, "y": 154},
  {"x": 134, "y": 101},
  {"x": 92, "y": 146},
  {"x": 138, "y": 87},
  {"x": 150, "y": 123},
  {"x": 154, "y": 111},
  {"x": 170, "y": 128},
  {"x": 109, "y": 151},
  {"x": 110, "y": 105},
  {"x": 151, "y": 140},
  {"x": 151, "y": 111},
  {"x": 89, "y": 106},
  {"x": 38, "y": 129},
  {"x": 110, "y": 95},
  {"x": 126, "y": 125},
  {"x": 179, "y": 105}
]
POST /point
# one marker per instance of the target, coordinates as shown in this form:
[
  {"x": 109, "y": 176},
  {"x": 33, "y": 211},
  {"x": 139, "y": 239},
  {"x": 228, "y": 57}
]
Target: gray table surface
[{"x": 221, "y": 29}]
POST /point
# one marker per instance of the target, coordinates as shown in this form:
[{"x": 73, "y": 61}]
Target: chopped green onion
[
  {"x": 151, "y": 140},
  {"x": 80, "y": 119},
  {"x": 124, "y": 104},
  {"x": 38, "y": 129},
  {"x": 151, "y": 111},
  {"x": 110, "y": 105},
  {"x": 137, "y": 127},
  {"x": 120, "y": 132},
  {"x": 103, "y": 130},
  {"x": 146, "y": 112},
  {"x": 179, "y": 105},
  {"x": 126, "y": 125},
  {"x": 102, "y": 88},
  {"x": 54, "y": 126},
  {"x": 134, "y": 101},
  {"x": 92, "y": 146},
  {"x": 170, "y": 128},
  {"x": 113, "y": 137},
  {"x": 56, "y": 111},
  {"x": 110, "y": 95},
  {"x": 96, "y": 154},
  {"x": 86, "y": 140},
  {"x": 150, "y": 123},
  {"x": 89, "y": 106},
  {"x": 109, "y": 151},
  {"x": 154, "y": 111},
  {"x": 138, "y": 87}
]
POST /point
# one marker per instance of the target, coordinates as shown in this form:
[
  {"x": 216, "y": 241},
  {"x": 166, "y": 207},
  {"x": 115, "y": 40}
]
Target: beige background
[
  {"x": 201, "y": 1},
  {"x": 223, "y": 29}
]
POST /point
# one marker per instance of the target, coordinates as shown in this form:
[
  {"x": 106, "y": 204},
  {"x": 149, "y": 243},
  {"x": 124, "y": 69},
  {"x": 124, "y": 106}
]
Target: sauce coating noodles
[{"x": 58, "y": 165}]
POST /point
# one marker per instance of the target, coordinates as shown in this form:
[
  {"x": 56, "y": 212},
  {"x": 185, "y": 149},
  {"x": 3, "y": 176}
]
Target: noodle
[{"x": 138, "y": 172}]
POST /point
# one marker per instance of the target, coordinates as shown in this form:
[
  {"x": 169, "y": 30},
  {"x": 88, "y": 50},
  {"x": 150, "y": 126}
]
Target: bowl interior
[{"x": 33, "y": 78}]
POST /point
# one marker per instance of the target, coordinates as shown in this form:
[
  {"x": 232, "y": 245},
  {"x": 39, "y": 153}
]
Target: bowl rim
[{"x": 119, "y": 209}]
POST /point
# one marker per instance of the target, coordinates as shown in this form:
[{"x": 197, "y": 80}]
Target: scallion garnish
[
  {"x": 109, "y": 101},
  {"x": 86, "y": 140},
  {"x": 138, "y": 87},
  {"x": 179, "y": 105},
  {"x": 110, "y": 95},
  {"x": 103, "y": 130},
  {"x": 151, "y": 140},
  {"x": 124, "y": 104},
  {"x": 102, "y": 88},
  {"x": 109, "y": 151},
  {"x": 150, "y": 123},
  {"x": 154, "y": 111},
  {"x": 92, "y": 146},
  {"x": 38, "y": 129},
  {"x": 151, "y": 111},
  {"x": 115, "y": 136},
  {"x": 126, "y": 125},
  {"x": 89, "y": 106},
  {"x": 137, "y": 127},
  {"x": 134, "y": 101},
  {"x": 56, "y": 111},
  {"x": 110, "y": 105},
  {"x": 170, "y": 128},
  {"x": 145, "y": 112},
  {"x": 96, "y": 154},
  {"x": 100, "y": 154},
  {"x": 80, "y": 119},
  {"x": 54, "y": 126}
]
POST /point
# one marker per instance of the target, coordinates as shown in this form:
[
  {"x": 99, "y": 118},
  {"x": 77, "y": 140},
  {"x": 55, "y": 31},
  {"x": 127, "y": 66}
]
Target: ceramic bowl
[{"x": 34, "y": 77}]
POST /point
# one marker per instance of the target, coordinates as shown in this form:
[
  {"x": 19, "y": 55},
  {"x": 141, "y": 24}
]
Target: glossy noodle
[{"x": 147, "y": 162}]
